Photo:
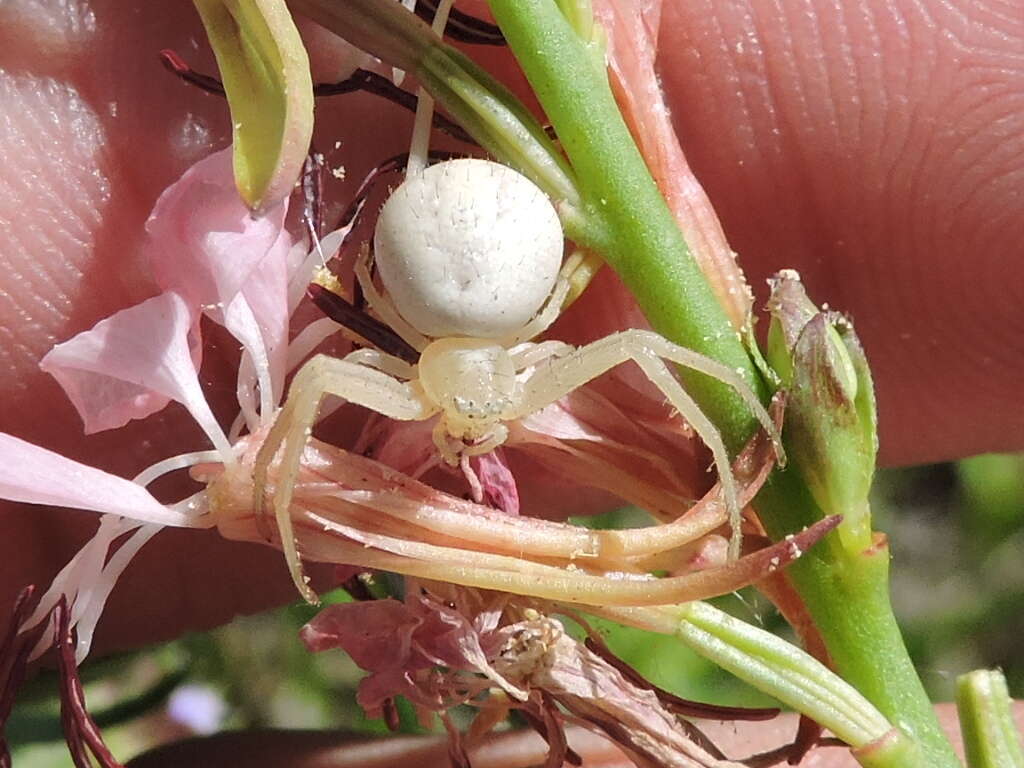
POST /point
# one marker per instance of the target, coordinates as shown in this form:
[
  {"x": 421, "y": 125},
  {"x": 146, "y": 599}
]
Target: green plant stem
[
  {"x": 986, "y": 719},
  {"x": 847, "y": 594},
  {"x": 643, "y": 243},
  {"x": 784, "y": 671}
]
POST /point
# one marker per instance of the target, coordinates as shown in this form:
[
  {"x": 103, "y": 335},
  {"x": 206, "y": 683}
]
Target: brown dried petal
[{"x": 600, "y": 695}]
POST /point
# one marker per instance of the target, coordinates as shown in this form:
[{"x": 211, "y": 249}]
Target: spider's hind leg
[
  {"x": 557, "y": 376},
  {"x": 649, "y": 350},
  {"x": 291, "y": 429},
  {"x": 323, "y": 375}
]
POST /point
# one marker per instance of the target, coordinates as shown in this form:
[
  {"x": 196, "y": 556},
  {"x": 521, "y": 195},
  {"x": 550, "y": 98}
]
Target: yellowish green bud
[
  {"x": 830, "y": 421},
  {"x": 270, "y": 92}
]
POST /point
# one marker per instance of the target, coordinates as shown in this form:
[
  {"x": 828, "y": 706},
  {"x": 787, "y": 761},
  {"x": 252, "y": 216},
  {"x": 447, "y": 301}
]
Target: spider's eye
[{"x": 468, "y": 248}]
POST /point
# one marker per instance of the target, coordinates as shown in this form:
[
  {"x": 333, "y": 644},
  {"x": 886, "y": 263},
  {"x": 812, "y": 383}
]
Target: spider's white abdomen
[{"x": 468, "y": 248}]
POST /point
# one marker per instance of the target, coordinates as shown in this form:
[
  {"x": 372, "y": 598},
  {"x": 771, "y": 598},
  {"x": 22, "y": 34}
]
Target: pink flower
[
  {"x": 243, "y": 273},
  {"x": 223, "y": 264},
  {"x": 445, "y": 646},
  {"x": 215, "y": 261}
]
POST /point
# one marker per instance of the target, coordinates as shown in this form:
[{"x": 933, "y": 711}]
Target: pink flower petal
[
  {"x": 130, "y": 364},
  {"x": 266, "y": 292},
  {"x": 402, "y": 445},
  {"x": 207, "y": 246},
  {"x": 497, "y": 480},
  {"x": 204, "y": 242},
  {"x": 35, "y": 475},
  {"x": 254, "y": 366},
  {"x": 375, "y": 634},
  {"x": 93, "y": 596},
  {"x": 447, "y": 638},
  {"x": 395, "y": 642},
  {"x": 632, "y": 30}
]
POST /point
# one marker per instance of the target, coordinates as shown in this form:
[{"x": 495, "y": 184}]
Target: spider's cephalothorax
[
  {"x": 470, "y": 259},
  {"x": 473, "y": 383}
]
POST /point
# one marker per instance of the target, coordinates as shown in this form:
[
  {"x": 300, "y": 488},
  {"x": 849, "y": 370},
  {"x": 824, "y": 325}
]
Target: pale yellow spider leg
[
  {"x": 580, "y": 278},
  {"x": 552, "y": 307},
  {"x": 323, "y": 375},
  {"x": 498, "y": 435},
  {"x": 559, "y": 376},
  {"x": 530, "y": 354},
  {"x": 380, "y": 304},
  {"x": 664, "y": 348},
  {"x": 373, "y": 358},
  {"x": 382, "y": 361}
]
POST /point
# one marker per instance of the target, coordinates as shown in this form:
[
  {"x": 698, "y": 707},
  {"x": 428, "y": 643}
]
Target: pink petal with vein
[
  {"x": 632, "y": 29},
  {"x": 376, "y": 634},
  {"x": 130, "y": 365},
  {"x": 266, "y": 292},
  {"x": 204, "y": 242},
  {"x": 499, "y": 484},
  {"x": 206, "y": 245},
  {"x": 35, "y": 475},
  {"x": 397, "y": 642},
  {"x": 636, "y": 452},
  {"x": 402, "y": 445}
]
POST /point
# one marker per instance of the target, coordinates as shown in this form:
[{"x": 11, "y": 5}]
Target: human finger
[
  {"x": 299, "y": 749},
  {"x": 879, "y": 151}
]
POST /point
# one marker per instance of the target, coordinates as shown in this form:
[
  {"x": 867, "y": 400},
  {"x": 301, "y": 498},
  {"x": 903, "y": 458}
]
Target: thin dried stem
[
  {"x": 82, "y": 734},
  {"x": 359, "y": 80},
  {"x": 360, "y": 323},
  {"x": 787, "y": 753},
  {"x": 14, "y": 654},
  {"x": 462, "y": 26}
]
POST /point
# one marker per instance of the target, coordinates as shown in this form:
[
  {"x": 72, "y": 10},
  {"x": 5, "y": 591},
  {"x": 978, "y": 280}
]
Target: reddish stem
[
  {"x": 14, "y": 652},
  {"x": 176, "y": 65},
  {"x": 80, "y": 729},
  {"x": 359, "y": 80},
  {"x": 462, "y": 26}
]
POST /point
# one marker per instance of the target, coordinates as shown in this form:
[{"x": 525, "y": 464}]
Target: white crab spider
[{"x": 469, "y": 253}]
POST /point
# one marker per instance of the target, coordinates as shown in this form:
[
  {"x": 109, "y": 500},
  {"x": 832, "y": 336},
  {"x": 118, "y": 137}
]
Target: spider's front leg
[
  {"x": 324, "y": 375},
  {"x": 555, "y": 377},
  {"x": 383, "y": 306}
]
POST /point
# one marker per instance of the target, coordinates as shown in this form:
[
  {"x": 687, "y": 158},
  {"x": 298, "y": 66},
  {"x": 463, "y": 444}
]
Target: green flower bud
[
  {"x": 266, "y": 78},
  {"x": 830, "y": 421},
  {"x": 791, "y": 311}
]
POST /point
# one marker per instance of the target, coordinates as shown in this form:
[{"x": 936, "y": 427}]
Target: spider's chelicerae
[{"x": 470, "y": 254}]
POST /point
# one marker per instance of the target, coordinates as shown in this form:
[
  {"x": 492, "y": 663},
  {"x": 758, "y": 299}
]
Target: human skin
[
  {"x": 878, "y": 148},
  {"x": 324, "y": 750}
]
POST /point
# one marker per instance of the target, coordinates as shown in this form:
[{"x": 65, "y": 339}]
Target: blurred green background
[{"x": 957, "y": 533}]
